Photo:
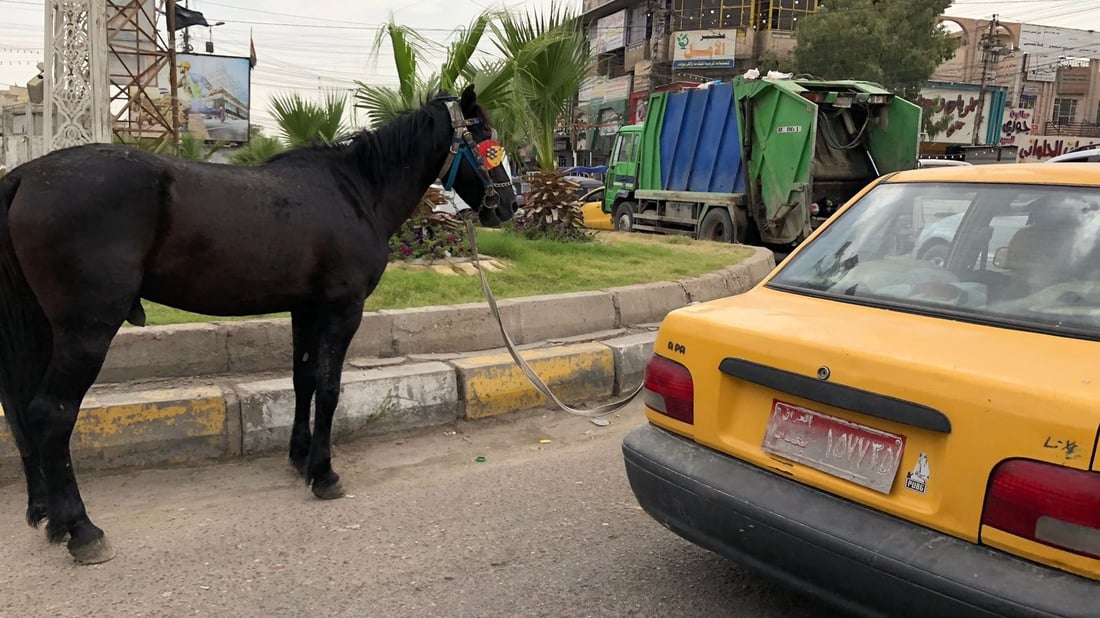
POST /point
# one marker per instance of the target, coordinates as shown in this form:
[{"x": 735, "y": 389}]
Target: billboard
[
  {"x": 959, "y": 104},
  {"x": 601, "y": 89},
  {"x": 610, "y": 33},
  {"x": 214, "y": 94},
  {"x": 703, "y": 49}
]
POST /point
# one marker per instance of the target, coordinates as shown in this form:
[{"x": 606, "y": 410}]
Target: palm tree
[
  {"x": 303, "y": 121},
  {"x": 549, "y": 56}
]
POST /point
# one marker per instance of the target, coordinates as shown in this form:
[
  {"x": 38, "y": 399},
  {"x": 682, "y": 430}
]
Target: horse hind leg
[
  {"x": 78, "y": 355},
  {"x": 304, "y": 327}
]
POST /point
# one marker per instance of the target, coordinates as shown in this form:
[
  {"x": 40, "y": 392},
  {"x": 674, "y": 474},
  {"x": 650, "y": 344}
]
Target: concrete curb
[
  {"x": 428, "y": 367},
  {"x": 253, "y": 346}
]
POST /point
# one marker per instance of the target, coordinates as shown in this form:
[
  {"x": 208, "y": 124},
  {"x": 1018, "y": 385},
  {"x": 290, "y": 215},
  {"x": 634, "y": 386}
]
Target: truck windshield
[
  {"x": 1017, "y": 256},
  {"x": 624, "y": 147}
]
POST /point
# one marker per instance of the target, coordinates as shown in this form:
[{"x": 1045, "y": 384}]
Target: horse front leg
[
  {"x": 304, "y": 324},
  {"x": 338, "y": 325},
  {"x": 36, "y": 486}
]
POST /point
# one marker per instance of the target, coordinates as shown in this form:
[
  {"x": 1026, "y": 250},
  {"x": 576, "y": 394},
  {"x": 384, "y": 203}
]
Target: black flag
[{"x": 187, "y": 17}]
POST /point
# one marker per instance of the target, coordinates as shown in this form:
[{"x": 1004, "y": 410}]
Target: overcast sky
[{"x": 308, "y": 45}]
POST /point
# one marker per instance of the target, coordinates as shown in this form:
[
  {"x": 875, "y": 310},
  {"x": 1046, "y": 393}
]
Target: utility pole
[
  {"x": 657, "y": 32},
  {"x": 187, "y": 31},
  {"x": 990, "y": 52}
]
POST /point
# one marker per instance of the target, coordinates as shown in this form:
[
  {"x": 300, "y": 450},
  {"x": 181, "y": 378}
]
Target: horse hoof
[
  {"x": 331, "y": 492},
  {"x": 96, "y": 552}
]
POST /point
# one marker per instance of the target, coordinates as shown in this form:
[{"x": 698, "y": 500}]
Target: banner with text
[
  {"x": 959, "y": 105},
  {"x": 1019, "y": 123},
  {"x": 1036, "y": 148},
  {"x": 703, "y": 49}
]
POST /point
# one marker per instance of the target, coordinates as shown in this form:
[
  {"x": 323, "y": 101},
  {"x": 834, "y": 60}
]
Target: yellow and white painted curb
[{"x": 144, "y": 428}]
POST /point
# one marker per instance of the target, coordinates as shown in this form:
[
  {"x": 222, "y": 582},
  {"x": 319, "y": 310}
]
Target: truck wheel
[
  {"x": 716, "y": 226},
  {"x": 745, "y": 228},
  {"x": 624, "y": 217}
]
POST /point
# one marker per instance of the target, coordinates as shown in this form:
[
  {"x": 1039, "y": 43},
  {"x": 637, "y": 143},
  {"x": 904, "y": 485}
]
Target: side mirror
[{"x": 1000, "y": 257}]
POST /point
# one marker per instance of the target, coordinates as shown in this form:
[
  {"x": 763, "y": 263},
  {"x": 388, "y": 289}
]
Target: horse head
[{"x": 474, "y": 167}]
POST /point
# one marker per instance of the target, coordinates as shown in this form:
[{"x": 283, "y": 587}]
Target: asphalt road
[{"x": 538, "y": 529}]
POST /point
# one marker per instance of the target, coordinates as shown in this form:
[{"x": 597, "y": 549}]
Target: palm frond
[
  {"x": 302, "y": 121},
  {"x": 408, "y": 47},
  {"x": 461, "y": 51}
]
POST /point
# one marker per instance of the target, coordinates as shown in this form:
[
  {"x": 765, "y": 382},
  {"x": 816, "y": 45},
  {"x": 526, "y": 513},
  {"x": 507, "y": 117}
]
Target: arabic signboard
[
  {"x": 1048, "y": 47},
  {"x": 703, "y": 49},
  {"x": 610, "y": 33},
  {"x": 960, "y": 104},
  {"x": 1035, "y": 148},
  {"x": 1018, "y": 124}
]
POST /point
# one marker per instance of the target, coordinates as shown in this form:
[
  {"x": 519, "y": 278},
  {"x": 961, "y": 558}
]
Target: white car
[
  {"x": 925, "y": 163},
  {"x": 1089, "y": 155}
]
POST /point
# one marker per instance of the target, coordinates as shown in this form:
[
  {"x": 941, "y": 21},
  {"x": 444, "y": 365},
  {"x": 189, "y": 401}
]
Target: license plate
[{"x": 857, "y": 453}]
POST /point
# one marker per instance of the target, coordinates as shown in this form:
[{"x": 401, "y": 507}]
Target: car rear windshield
[{"x": 1018, "y": 256}]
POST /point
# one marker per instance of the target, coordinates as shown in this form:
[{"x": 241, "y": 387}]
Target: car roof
[{"x": 1086, "y": 174}]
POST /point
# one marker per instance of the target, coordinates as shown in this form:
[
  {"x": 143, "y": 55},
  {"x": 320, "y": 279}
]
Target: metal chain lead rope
[{"x": 599, "y": 411}]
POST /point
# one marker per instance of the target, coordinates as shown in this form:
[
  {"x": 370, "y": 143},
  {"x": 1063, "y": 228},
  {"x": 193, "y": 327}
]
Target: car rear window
[{"x": 1018, "y": 256}]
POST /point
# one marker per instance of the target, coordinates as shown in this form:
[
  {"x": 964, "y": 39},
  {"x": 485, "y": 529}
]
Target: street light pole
[{"x": 990, "y": 51}]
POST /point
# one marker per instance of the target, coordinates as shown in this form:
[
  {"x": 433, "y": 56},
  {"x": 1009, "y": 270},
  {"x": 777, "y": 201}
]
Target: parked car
[
  {"x": 943, "y": 216},
  {"x": 894, "y": 436},
  {"x": 592, "y": 213},
  {"x": 1088, "y": 154}
]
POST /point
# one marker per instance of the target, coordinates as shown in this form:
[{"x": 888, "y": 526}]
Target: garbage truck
[{"x": 755, "y": 161}]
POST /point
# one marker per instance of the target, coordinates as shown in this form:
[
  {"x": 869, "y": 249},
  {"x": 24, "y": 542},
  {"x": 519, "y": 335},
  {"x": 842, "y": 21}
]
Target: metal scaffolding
[{"x": 141, "y": 72}]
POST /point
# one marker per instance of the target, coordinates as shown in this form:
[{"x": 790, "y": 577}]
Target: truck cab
[{"x": 622, "y": 177}]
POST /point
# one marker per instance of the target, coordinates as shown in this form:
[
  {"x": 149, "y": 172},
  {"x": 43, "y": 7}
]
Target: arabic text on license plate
[{"x": 866, "y": 456}]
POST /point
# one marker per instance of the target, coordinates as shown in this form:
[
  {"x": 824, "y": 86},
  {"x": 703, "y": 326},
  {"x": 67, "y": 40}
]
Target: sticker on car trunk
[
  {"x": 917, "y": 478},
  {"x": 863, "y": 455}
]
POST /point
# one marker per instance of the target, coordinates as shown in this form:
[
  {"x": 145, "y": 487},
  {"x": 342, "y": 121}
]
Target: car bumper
[{"x": 857, "y": 559}]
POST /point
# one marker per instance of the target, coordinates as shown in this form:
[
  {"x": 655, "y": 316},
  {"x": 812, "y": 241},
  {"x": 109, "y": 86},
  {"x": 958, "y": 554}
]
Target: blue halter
[{"x": 462, "y": 150}]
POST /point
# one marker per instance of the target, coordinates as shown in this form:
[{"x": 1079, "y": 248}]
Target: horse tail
[{"x": 25, "y": 336}]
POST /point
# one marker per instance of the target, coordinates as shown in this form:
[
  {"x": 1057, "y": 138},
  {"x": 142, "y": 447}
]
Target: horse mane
[
  {"x": 391, "y": 146},
  {"x": 386, "y": 149}
]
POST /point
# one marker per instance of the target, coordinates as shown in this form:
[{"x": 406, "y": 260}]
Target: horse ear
[{"x": 468, "y": 100}]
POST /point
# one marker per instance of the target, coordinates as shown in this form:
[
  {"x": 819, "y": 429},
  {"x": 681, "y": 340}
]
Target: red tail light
[
  {"x": 1046, "y": 503},
  {"x": 669, "y": 389}
]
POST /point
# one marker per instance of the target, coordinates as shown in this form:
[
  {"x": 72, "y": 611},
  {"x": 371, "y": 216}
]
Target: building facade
[
  {"x": 1038, "y": 89},
  {"x": 644, "y": 46}
]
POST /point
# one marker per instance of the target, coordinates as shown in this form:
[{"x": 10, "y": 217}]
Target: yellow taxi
[
  {"x": 899, "y": 436},
  {"x": 592, "y": 211}
]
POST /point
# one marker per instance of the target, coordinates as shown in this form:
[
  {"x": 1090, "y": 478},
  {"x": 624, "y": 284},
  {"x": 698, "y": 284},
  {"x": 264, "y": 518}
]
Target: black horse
[{"x": 87, "y": 232}]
